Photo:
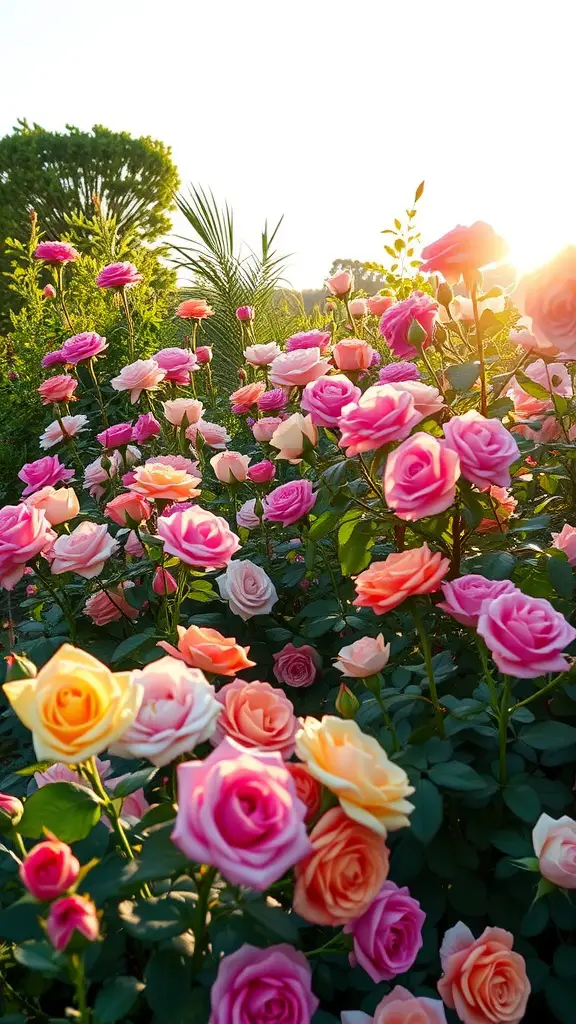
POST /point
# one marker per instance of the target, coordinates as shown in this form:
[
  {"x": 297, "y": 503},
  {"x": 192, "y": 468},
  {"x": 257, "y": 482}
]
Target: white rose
[{"x": 248, "y": 589}]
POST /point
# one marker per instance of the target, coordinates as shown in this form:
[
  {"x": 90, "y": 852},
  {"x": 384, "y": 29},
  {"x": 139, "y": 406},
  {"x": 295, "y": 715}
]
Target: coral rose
[
  {"x": 44, "y": 473},
  {"x": 308, "y": 790},
  {"x": 50, "y": 868},
  {"x": 110, "y": 605},
  {"x": 230, "y": 467},
  {"x": 159, "y": 481},
  {"x": 364, "y": 657},
  {"x": 352, "y": 354},
  {"x": 256, "y": 985},
  {"x": 483, "y": 979},
  {"x": 400, "y": 1007},
  {"x": 325, "y": 398},
  {"x": 248, "y": 589},
  {"x": 378, "y": 417},
  {"x": 24, "y": 533},
  {"x": 75, "y": 707},
  {"x": 378, "y": 304},
  {"x": 56, "y": 252},
  {"x": 247, "y": 396},
  {"x": 198, "y": 537},
  {"x": 194, "y": 309},
  {"x": 57, "y": 389},
  {"x": 272, "y": 400},
  {"x": 292, "y": 436},
  {"x": 178, "y": 408},
  {"x": 85, "y": 551},
  {"x": 339, "y": 879},
  {"x": 143, "y": 375},
  {"x": 485, "y": 448},
  {"x": 207, "y": 649},
  {"x": 146, "y": 426},
  {"x": 178, "y": 363},
  {"x": 257, "y": 715},
  {"x": 525, "y": 635},
  {"x": 296, "y": 666},
  {"x": 566, "y": 541},
  {"x": 289, "y": 502},
  {"x": 388, "y": 935},
  {"x": 118, "y": 275},
  {"x": 396, "y": 322},
  {"x": 309, "y": 339},
  {"x": 126, "y": 506},
  {"x": 464, "y": 596},
  {"x": 297, "y": 368},
  {"x": 340, "y": 284},
  {"x": 420, "y": 477},
  {"x": 261, "y": 355},
  {"x": 68, "y": 915},
  {"x": 395, "y": 373},
  {"x": 548, "y": 296},
  {"x": 555, "y": 846},
  {"x": 264, "y": 429},
  {"x": 463, "y": 250},
  {"x": 372, "y": 790},
  {"x": 82, "y": 347},
  {"x": 385, "y": 585}
]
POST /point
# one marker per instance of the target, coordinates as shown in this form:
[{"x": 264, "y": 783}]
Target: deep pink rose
[
  {"x": 309, "y": 339},
  {"x": 420, "y": 477},
  {"x": 204, "y": 354},
  {"x": 340, "y": 284},
  {"x": 146, "y": 426},
  {"x": 55, "y": 358},
  {"x": 178, "y": 363},
  {"x": 238, "y": 811},
  {"x": 296, "y": 666},
  {"x": 262, "y": 472},
  {"x": 297, "y": 368},
  {"x": 24, "y": 533},
  {"x": 68, "y": 915},
  {"x": 85, "y": 551},
  {"x": 289, "y": 502},
  {"x": 50, "y": 868},
  {"x": 46, "y": 472},
  {"x": 324, "y": 398},
  {"x": 463, "y": 597},
  {"x": 388, "y": 935},
  {"x": 272, "y": 400},
  {"x": 525, "y": 635},
  {"x": 116, "y": 435},
  {"x": 381, "y": 415},
  {"x": 462, "y": 251},
  {"x": 244, "y": 313},
  {"x": 396, "y": 322},
  {"x": 56, "y": 252},
  {"x": 198, "y": 537},
  {"x": 83, "y": 346},
  {"x": 164, "y": 582},
  {"x": 118, "y": 275},
  {"x": 263, "y": 986},
  {"x": 378, "y": 304},
  {"x": 57, "y": 389},
  {"x": 49, "y": 292},
  {"x": 395, "y": 372},
  {"x": 485, "y": 448}
]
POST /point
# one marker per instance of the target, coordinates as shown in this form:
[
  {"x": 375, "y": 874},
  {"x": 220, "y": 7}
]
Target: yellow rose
[
  {"x": 75, "y": 707},
  {"x": 371, "y": 788}
]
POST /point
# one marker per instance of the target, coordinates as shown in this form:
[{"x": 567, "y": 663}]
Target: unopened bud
[
  {"x": 416, "y": 334},
  {"x": 18, "y": 666},
  {"x": 444, "y": 294},
  {"x": 347, "y": 704},
  {"x": 11, "y": 810}
]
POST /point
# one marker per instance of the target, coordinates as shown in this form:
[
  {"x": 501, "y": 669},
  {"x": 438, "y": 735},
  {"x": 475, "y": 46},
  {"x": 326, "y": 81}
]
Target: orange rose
[
  {"x": 257, "y": 715},
  {"x": 337, "y": 882},
  {"x": 384, "y": 585},
  {"x": 249, "y": 394},
  {"x": 208, "y": 650},
  {"x": 483, "y": 979},
  {"x": 308, "y": 790},
  {"x": 161, "y": 482}
]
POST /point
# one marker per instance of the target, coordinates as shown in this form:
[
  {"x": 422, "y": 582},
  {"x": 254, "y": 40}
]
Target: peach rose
[
  {"x": 555, "y": 846},
  {"x": 308, "y": 790},
  {"x": 352, "y": 354},
  {"x": 384, "y": 585},
  {"x": 372, "y": 790},
  {"x": 364, "y": 657},
  {"x": 85, "y": 551},
  {"x": 161, "y": 482},
  {"x": 290, "y": 437},
  {"x": 264, "y": 429},
  {"x": 248, "y": 395},
  {"x": 230, "y": 467},
  {"x": 143, "y": 375},
  {"x": 297, "y": 368},
  {"x": 483, "y": 979},
  {"x": 178, "y": 408},
  {"x": 59, "y": 504},
  {"x": 257, "y": 715},
  {"x": 127, "y": 505},
  {"x": 110, "y": 605},
  {"x": 207, "y": 649},
  {"x": 400, "y": 1007},
  {"x": 337, "y": 882}
]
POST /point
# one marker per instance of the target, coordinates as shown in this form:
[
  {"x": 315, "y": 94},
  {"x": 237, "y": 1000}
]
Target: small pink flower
[
  {"x": 248, "y": 589},
  {"x": 143, "y": 375},
  {"x": 69, "y": 915},
  {"x": 56, "y": 252},
  {"x": 555, "y": 846},
  {"x": 82, "y": 347},
  {"x": 396, "y": 322},
  {"x": 420, "y": 477},
  {"x": 378, "y": 304},
  {"x": 24, "y": 533},
  {"x": 204, "y": 354},
  {"x": 363, "y": 658},
  {"x": 178, "y": 363},
  {"x": 340, "y": 284},
  {"x": 85, "y": 551},
  {"x": 198, "y": 537},
  {"x": 264, "y": 429},
  {"x": 274, "y": 981},
  {"x": 297, "y": 368},
  {"x": 246, "y": 515},
  {"x": 358, "y": 307},
  {"x": 55, "y": 358},
  {"x": 525, "y": 635},
  {"x": 289, "y": 502},
  {"x": 262, "y": 472},
  {"x": 296, "y": 666},
  {"x": 11, "y": 806},
  {"x": 378, "y": 417},
  {"x": 309, "y": 339},
  {"x": 462, "y": 251},
  {"x": 118, "y": 275},
  {"x": 463, "y": 597},
  {"x": 117, "y": 435},
  {"x": 566, "y": 541},
  {"x": 164, "y": 583},
  {"x": 50, "y": 868},
  {"x": 485, "y": 448},
  {"x": 261, "y": 355},
  {"x": 396, "y": 372},
  {"x": 53, "y": 433},
  {"x": 146, "y": 426},
  {"x": 214, "y": 435},
  {"x": 44, "y": 472},
  {"x": 244, "y": 313},
  {"x": 57, "y": 389},
  {"x": 49, "y": 292},
  {"x": 110, "y": 605},
  {"x": 352, "y": 354},
  {"x": 388, "y": 936}
]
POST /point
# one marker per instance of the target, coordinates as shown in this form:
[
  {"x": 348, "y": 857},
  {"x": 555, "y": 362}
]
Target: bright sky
[{"x": 330, "y": 112}]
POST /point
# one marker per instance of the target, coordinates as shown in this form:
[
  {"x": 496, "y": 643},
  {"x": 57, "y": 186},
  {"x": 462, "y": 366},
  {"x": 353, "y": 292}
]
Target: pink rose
[
  {"x": 50, "y": 868},
  {"x": 133, "y": 547},
  {"x": 309, "y": 339},
  {"x": 525, "y": 635},
  {"x": 69, "y": 915},
  {"x": 178, "y": 408},
  {"x": 134, "y": 806},
  {"x": 525, "y": 405},
  {"x": 245, "y": 397},
  {"x": 53, "y": 433},
  {"x": 238, "y": 811},
  {"x": 118, "y": 275},
  {"x": 230, "y": 467},
  {"x": 82, "y": 347},
  {"x": 378, "y": 304},
  {"x": 325, "y": 398},
  {"x": 381, "y": 415},
  {"x": 56, "y": 252},
  {"x": 293, "y": 437},
  {"x": 485, "y": 448},
  {"x": 364, "y": 657},
  {"x": 61, "y": 773},
  {"x": 276, "y": 982},
  {"x": 395, "y": 373},
  {"x": 164, "y": 582},
  {"x": 55, "y": 358},
  {"x": 24, "y": 534},
  {"x": 214, "y": 435},
  {"x": 270, "y": 401},
  {"x": 264, "y": 429},
  {"x": 116, "y": 435},
  {"x": 463, "y": 597},
  {"x": 49, "y": 292},
  {"x": 566, "y": 541},
  {"x": 400, "y": 1007},
  {"x": 296, "y": 666},
  {"x": 427, "y": 399},
  {"x": 95, "y": 475},
  {"x": 289, "y": 502},
  {"x": 85, "y": 551},
  {"x": 358, "y": 307},
  {"x": 143, "y": 375},
  {"x": 178, "y": 363},
  {"x": 244, "y": 313},
  {"x": 340, "y": 284},
  {"x": 483, "y": 979},
  {"x": 179, "y": 462},
  {"x": 543, "y": 430},
  {"x": 553, "y": 377},
  {"x": 248, "y": 589},
  {"x": 258, "y": 715},
  {"x": 57, "y": 389},
  {"x": 198, "y": 537},
  {"x": 178, "y": 712},
  {"x": 11, "y": 807},
  {"x": 262, "y": 355},
  {"x": 110, "y": 605},
  {"x": 555, "y": 846},
  {"x": 463, "y": 250},
  {"x": 352, "y": 354},
  {"x": 44, "y": 473},
  {"x": 128, "y": 505},
  {"x": 549, "y": 297},
  {"x": 146, "y": 426},
  {"x": 420, "y": 477},
  {"x": 262, "y": 472},
  {"x": 388, "y": 935},
  {"x": 396, "y": 322},
  {"x": 204, "y": 354},
  {"x": 297, "y": 368},
  {"x": 246, "y": 515}
]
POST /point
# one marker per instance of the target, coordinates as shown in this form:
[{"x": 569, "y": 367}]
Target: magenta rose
[
  {"x": 55, "y": 358},
  {"x": 238, "y": 811},
  {"x": 324, "y": 398},
  {"x": 262, "y": 472},
  {"x": 146, "y": 426},
  {"x": 462, "y": 251},
  {"x": 525, "y": 635},
  {"x": 50, "y": 868},
  {"x": 178, "y": 363},
  {"x": 296, "y": 666},
  {"x": 57, "y": 389},
  {"x": 244, "y": 313},
  {"x": 56, "y": 252},
  {"x": 272, "y": 400},
  {"x": 46, "y": 472},
  {"x": 394, "y": 373},
  {"x": 388, "y": 935},
  {"x": 381, "y": 415},
  {"x": 24, "y": 533},
  {"x": 396, "y": 322},
  {"x": 463, "y": 597},
  {"x": 11, "y": 806},
  {"x": 118, "y": 275},
  {"x": 289, "y": 502},
  {"x": 116, "y": 435},
  {"x": 420, "y": 477},
  {"x": 485, "y": 448},
  {"x": 271, "y": 985},
  {"x": 68, "y": 915},
  {"x": 309, "y": 339},
  {"x": 83, "y": 346},
  {"x": 198, "y": 537}
]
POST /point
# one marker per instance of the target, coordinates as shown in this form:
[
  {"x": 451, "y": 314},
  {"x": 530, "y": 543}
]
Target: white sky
[{"x": 328, "y": 112}]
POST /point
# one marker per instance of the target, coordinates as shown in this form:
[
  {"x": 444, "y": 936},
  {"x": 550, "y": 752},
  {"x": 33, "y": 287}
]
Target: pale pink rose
[
  {"x": 352, "y": 354},
  {"x": 256, "y": 714},
  {"x": 483, "y": 979},
  {"x": 420, "y": 477},
  {"x": 133, "y": 546},
  {"x": 146, "y": 426},
  {"x": 553, "y": 377},
  {"x": 59, "y": 504},
  {"x": 548, "y": 296},
  {"x": 272, "y": 400},
  {"x": 95, "y": 475},
  {"x": 246, "y": 515},
  {"x": 62, "y": 773},
  {"x": 325, "y": 398},
  {"x": 262, "y": 472},
  {"x": 164, "y": 582},
  {"x": 262, "y": 355},
  {"x": 461, "y": 307},
  {"x": 297, "y": 368},
  {"x": 388, "y": 936},
  {"x": 24, "y": 534},
  {"x": 555, "y": 846},
  {"x": 178, "y": 712},
  {"x": 292, "y": 437},
  {"x": 485, "y": 448},
  {"x": 526, "y": 339},
  {"x": 43, "y": 473},
  {"x": 340, "y": 284},
  {"x": 364, "y": 657},
  {"x": 56, "y": 252},
  {"x": 85, "y": 551},
  {"x": 68, "y": 915},
  {"x": 543, "y": 430},
  {"x": 180, "y": 462},
  {"x": 309, "y": 339},
  {"x": 213, "y": 434},
  {"x": 358, "y": 307},
  {"x": 248, "y": 589},
  {"x": 176, "y": 409},
  {"x": 118, "y": 275},
  {"x": 57, "y": 389},
  {"x": 53, "y": 433},
  {"x": 289, "y": 502},
  {"x": 463, "y": 597},
  {"x": 264, "y": 429},
  {"x": 525, "y": 635},
  {"x": 427, "y": 399},
  {"x": 238, "y": 811},
  {"x": 296, "y": 666},
  {"x": 82, "y": 347},
  {"x": 143, "y": 375},
  {"x": 395, "y": 373},
  {"x": 381, "y": 415},
  {"x": 198, "y": 537},
  {"x": 378, "y": 304},
  {"x": 204, "y": 354},
  {"x": 178, "y": 364},
  {"x": 230, "y": 467},
  {"x": 116, "y": 436},
  {"x": 244, "y": 313},
  {"x": 396, "y": 322},
  {"x": 566, "y": 541},
  {"x": 55, "y": 358},
  {"x": 463, "y": 250},
  {"x": 276, "y": 980},
  {"x": 110, "y": 605}
]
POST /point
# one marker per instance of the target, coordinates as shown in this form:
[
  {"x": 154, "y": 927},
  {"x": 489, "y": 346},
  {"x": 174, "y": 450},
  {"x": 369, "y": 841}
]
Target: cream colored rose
[
  {"x": 291, "y": 435},
  {"x": 230, "y": 467},
  {"x": 371, "y": 788}
]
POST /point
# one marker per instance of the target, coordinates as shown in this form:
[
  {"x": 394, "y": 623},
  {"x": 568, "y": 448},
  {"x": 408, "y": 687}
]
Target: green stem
[
  {"x": 69, "y": 440},
  {"x": 19, "y": 844},
  {"x": 99, "y": 398},
  {"x": 352, "y": 319},
  {"x": 541, "y": 693},
  {"x": 479, "y": 347},
  {"x": 182, "y": 579},
  {"x": 487, "y": 673},
  {"x": 60, "y": 290},
  {"x": 80, "y": 987},
  {"x": 331, "y": 944},
  {"x": 200, "y": 930},
  {"x": 63, "y": 605},
  {"x": 503, "y": 730},
  {"x": 129, "y": 323},
  {"x": 112, "y": 813},
  {"x": 425, "y": 645},
  {"x": 456, "y": 542}
]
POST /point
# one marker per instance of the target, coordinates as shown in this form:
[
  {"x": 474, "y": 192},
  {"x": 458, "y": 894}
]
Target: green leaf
[
  {"x": 155, "y": 919},
  {"x": 20, "y": 921},
  {"x": 463, "y": 375},
  {"x": 498, "y": 565},
  {"x": 456, "y": 775},
  {"x": 515, "y": 844},
  {"x": 130, "y": 783},
  {"x": 535, "y": 919},
  {"x": 275, "y": 920},
  {"x": 159, "y": 858},
  {"x": 427, "y": 816},
  {"x": 40, "y": 956},
  {"x": 355, "y": 541},
  {"x": 561, "y": 576},
  {"x": 168, "y": 989},
  {"x": 531, "y": 388},
  {"x": 523, "y": 801},
  {"x": 561, "y": 997},
  {"x": 67, "y": 810},
  {"x": 565, "y": 962},
  {"x": 115, "y": 1000},
  {"x": 131, "y": 644},
  {"x": 549, "y": 735},
  {"x": 325, "y": 524}
]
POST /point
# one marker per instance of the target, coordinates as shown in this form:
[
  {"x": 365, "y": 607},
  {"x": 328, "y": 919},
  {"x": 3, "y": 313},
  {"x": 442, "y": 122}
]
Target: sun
[{"x": 532, "y": 246}]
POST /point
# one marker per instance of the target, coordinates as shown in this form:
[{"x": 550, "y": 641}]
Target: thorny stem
[
  {"x": 99, "y": 398},
  {"x": 60, "y": 602},
  {"x": 200, "y": 930}
]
